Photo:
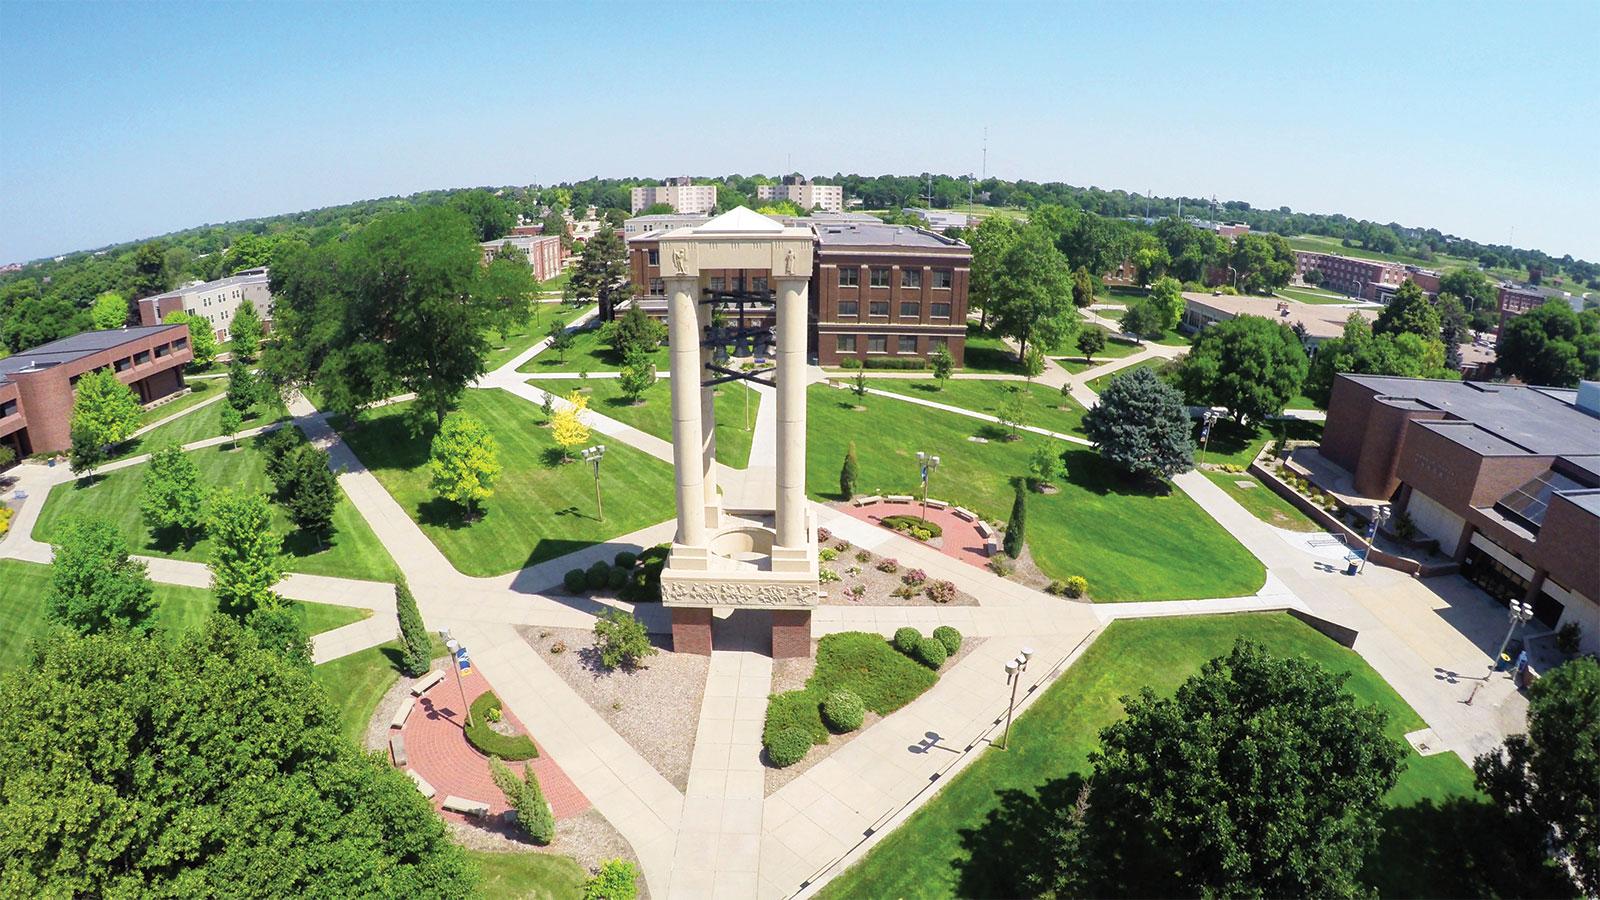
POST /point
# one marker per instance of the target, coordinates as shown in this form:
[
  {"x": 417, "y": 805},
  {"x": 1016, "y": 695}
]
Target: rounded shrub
[
  {"x": 788, "y": 746},
  {"x": 949, "y": 637},
  {"x": 598, "y": 575},
  {"x": 617, "y": 578},
  {"x": 906, "y": 639},
  {"x": 930, "y": 653},
  {"x": 624, "y": 559},
  {"x": 843, "y": 711},
  {"x": 1075, "y": 586},
  {"x": 574, "y": 581}
]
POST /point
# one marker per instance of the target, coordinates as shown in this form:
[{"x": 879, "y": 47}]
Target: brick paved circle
[{"x": 960, "y": 537}]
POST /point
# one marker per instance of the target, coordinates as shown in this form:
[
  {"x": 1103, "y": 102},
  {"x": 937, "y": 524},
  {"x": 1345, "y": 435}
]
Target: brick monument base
[
  {"x": 791, "y": 633},
  {"x": 691, "y": 630}
]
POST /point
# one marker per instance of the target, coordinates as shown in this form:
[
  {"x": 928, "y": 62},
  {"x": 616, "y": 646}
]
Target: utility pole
[{"x": 985, "y": 153}]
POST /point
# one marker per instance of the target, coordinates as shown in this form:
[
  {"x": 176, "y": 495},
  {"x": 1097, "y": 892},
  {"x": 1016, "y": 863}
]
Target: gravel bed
[
  {"x": 656, "y": 709},
  {"x": 378, "y": 732},
  {"x": 587, "y": 838},
  {"x": 791, "y": 675},
  {"x": 880, "y": 586}
]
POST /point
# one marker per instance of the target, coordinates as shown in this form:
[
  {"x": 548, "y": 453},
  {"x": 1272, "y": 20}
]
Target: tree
[
  {"x": 109, "y": 311},
  {"x": 658, "y": 208},
  {"x": 491, "y": 216},
  {"x": 1262, "y": 776},
  {"x": 616, "y": 880},
  {"x": 561, "y": 340},
  {"x": 104, "y": 412},
  {"x": 416, "y": 645},
  {"x": 1013, "y": 409},
  {"x": 150, "y": 275},
  {"x": 507, "y": 288},
  {"x": 523, "y": 795},
  {"x": 1044, "y": 464},
  {"x": 1545, "y": 780},
  {"x": 242, "y": 390},
  {"x": 1552, "y": 345},
  {"x": 94, "y": 585},
  {"x": 858, "y": 384},
  {"x": 1250, "y": 365},
  {"x": 633, "y": 332},
  {"x": 1409, "y": 312},
  {"x": 312, "y": 490},
  {"x": 1082, "y": 288},
  {"x": 231, "y": 422},
  {"x": 638, "y": 375},
  {"x": 1144, "y": 319},
  {"x": 602, "y": 272},
  {"x": 1016, "y": 526},
  {"x": 201, "y": 764},
  {"x": 943, "y": 365},
  {"x": 1472, "y": 286},
  {"x": 1033, "y": 363},
  {"x": 1166, "y": 298},
  {"x": 1359, "y": 351},
  {"x": 567, "y": 426},
  {"x": 281, "y": 629},
  {"x": 465, "y": 461},
  {"x": 244, "y": 552},
  {"x": 245, "y": 332},
  {"x": 173, "y": 495},
  {"x": 621, "y": 639},
  {"x": 1264, "y": 262},
  {"x": 1141, "y": 426},
  {"x": 1032, "y": 293},
  {"x": 847, "y": 473},
  {"x": 202, "y": 340},
  {"x": 1091, "y": 341},
  {"x": 990, "y": 240}
]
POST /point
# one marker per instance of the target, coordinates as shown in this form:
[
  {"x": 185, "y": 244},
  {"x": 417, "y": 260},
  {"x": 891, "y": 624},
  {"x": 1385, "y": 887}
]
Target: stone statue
[
  {"x": 680, "y": 260},
  {"x": 788, "y": 261}
]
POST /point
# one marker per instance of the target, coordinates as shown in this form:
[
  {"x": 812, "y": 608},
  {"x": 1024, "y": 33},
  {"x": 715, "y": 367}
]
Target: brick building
[
  {"x": 214, "y": 301},
  {"x": 545, "y": 253},
  {"x": 1516, "y": 299},
  {"x": 1505, "y": 477},
  {"x": 682, "y": 194},
  {"x": 1369, "y": 279},
  {"x": 878, "y": 292},
  {"x": 36, "y": 386},
  {"x": 804, "y": 193}
]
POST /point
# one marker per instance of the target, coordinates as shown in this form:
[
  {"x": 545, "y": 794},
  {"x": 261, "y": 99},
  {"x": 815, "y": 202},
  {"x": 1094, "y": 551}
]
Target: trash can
[{"x": 1353, "y": 565}]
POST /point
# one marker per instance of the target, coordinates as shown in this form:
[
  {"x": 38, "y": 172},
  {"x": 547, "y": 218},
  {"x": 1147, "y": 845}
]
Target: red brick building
[
  {"x": 36, "y": 386},
  {"x": 546, "y": 256},
  {"x": 1505, "y": 477},
  {"x": 1369, "y": 279},
  {"x": 878, "y": 292},
  {"x": 1516, "y": 299}
]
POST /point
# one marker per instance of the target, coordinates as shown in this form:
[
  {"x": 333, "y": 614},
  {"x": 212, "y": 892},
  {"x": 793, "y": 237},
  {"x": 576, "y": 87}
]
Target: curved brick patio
[
  {"x": 437, "y": 749},
  {"x": 960, "y": 539}
]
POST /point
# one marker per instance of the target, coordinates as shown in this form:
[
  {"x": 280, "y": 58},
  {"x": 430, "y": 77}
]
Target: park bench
[
  {"x": 397, "y": 749},
  {"x": 867, "y": 501},
  {"x": 937, "y": 504},
  {"x": 962, "y": 513},
  {"x": 899, "y": 498},
  {"x": 422, "y": 784},
  {"x": 403, "y": 713},
  {"x": 466, "y": 807},
  {"x": 425, "y": 682},
  {"x": 984, "y": 530}
]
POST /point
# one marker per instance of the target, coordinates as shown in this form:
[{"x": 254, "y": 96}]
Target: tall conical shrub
[
  {"x": 1017, "y": 523},
  {"x": 416, "y": 655},
  {"x": 847, "y": 475}
]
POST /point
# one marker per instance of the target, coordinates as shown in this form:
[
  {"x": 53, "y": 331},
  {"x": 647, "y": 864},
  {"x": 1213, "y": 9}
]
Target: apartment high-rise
[
  {"x": 683, "y": 195},
  {"x": 803, "y": 193}
]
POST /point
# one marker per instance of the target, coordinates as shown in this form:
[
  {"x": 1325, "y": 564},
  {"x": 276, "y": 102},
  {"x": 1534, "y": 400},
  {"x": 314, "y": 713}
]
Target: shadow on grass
[
  {"x": 167, "y": 541},
  {"x": 1017, "y": 851},
  {"x": 387, "y": 443},
  {"x": 301, "y": 543},
  {"x": 1461, "y": 847},
  {"x": 441, "y": 513},
  {"x": 1085, "y": 469}
]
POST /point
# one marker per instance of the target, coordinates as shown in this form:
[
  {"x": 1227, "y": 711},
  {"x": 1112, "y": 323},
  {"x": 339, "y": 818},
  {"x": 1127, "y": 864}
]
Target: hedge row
[{"x": 492, "y": 743}]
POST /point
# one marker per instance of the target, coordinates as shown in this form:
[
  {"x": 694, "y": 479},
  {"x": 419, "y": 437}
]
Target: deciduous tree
[
  {"x": 633, "y": 332},
  {"x": 231, "y": 421},
  {"x": 507, "y": 288},
  {"x": 1264, "y": 262},
  {"x": 173, "y": 495},
  {"x": 1359, "y": 351},
  {"x": 109, "y": 311},
  {"x": 1552, "y": 345},
  {"x": 94, "y": 585},
  {"x": 561, "y": 340},
  {"x": 943, "y": 365},
  {"x": 104, "y": 412},
  {"x": 990, "y": 240},
  {"x": 567, "y": 426},
  {"x": 1166, "y": 297},
  {"x": 202, "y": 340},
  {"x": 638, "y": 374},
  {"x": 621, "y": 640},
  {"x": 1409, "y": 313},
  {"x": 1249, "y": 365},
  {"x": 491, "y": 216},
  {"x": 1013, "y": 409},
  {"x": 1091, "y": 341},
  {"x": 465, "y": 461},
  {"x": 245, "y": 332},
  {"x": 1032, "y": 292},
  {"x": 244, "y": 552},
  {"x": 1141, "y": 426}
]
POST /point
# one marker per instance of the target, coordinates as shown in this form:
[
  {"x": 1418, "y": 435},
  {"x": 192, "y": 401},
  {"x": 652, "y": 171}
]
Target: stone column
[
  {"x": 683, "y": 341},
  {"x": 708, "y": 425},
  {"x": 791, "y": 372}
]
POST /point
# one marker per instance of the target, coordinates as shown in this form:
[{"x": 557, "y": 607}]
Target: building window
[
  {"x": 123, "y": 364},
  {"x": 877, "y": 343},
  {"x": 935, "y": 342},
  {"x": 653, "y": 257},
  {"x": 941, "y": 278},
  {"x": 719, "y": 284},
  {"x": 939, "y": 310},
  {"x": 759, "y": 284},
  {"x": 180, "y": 343},
  {"x": 911, "y": 278},
  {"x": 142, "y": 357},
  {"x": 878, "y": 308},
  {"x": 910, "y": 309},
  {"x": 880, "y": 277},
  {"x": 657, "y": 287},
  {"x": 163, "y": 350},
  {"x": 850, "y": 277},
  {"x": 907, "y": 343},
  {"x": 847, "y": 343},
  {"x": 9, "y": 408},
  {"x": 850, "y": 308}
]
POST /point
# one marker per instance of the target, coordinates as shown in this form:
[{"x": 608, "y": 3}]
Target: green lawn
[
  {"x": 503, "y": 347},
  {"x": 1262, "y": 502},
  {"x": 529, "y": 875},
  {"x": 1311, "y": 295},
  {"x": 23, "y": 586},
  {"x": 352, "y": 551},
  {"x": 200, "y": 425},
  {"x": 1239, "y": 444},
  {"x": 1114, "y": 349},
  {"x": 541, "y": 508},
  {"x": 586, "y": 354},
  {"x": 1301, "y": 401},
  {"x": 1132, "y": 541},
  {"x": 988, "y": 353},
  {"x": 931, "y": 854},
  {"x": 654, "y": 416},
  {"x": 1099, "y": 384},
  {"x": 1043, "y": 405},
  {"x": 1114, "y": 314},
  {"x": 200, "y": 390}
]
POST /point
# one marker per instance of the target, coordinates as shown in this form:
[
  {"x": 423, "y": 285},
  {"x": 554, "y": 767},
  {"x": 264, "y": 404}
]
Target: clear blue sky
[{"x": 124, "y": 120}]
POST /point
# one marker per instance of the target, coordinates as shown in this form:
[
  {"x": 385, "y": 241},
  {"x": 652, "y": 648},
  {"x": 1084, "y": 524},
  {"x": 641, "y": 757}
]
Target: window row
[
  {"x": 909, "y": 309},
  {"x": 879, "y": 343},
  {"x": 143, "y": 356},
  {"x": 878, "y": 276}
]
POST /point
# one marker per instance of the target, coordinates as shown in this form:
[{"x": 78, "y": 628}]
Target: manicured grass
[
  {"x": 1301, "y": 401},
  {"x": 351, "y": 551},
  {"x": 23, "y": 586},
  {"x": 357, "y": 682},
  {"x": 1115, "y": 314},
  {"x": 654, "y": 415},
  {"x": 1114, "y": 349},
  {"x": 931, "y": 855},
  {"x": 587, "y": 353},
  {"x": 1131, "y": 540},
  {"x": 529, "y": 875},
  {"x": 541, "y": 508},
  {"x": 1099, "y": 383},
  {"x": 201, "y": 425},
  {"x": 1043, "y": 407},
  {"x": 503, "y": 347},
  {"x": 1262, "y": 502},
  {"x": 988, "y": 353},
  {"x": 1311, "y": 295},
  {"x": 1239, "y": 444},
  {"x": 200, "y": 390},
  {"x": 864, "y": 664}
]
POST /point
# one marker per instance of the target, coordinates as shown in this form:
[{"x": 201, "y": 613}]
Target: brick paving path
[{"x": 960, "y": 539}]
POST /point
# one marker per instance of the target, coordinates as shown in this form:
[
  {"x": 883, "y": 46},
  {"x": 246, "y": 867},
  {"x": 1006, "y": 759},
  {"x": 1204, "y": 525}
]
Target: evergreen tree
[
  {"x": 1082, "y": 288},
  {"x": 244, "y": 553},
  {"x": 173, "y": 495},
  {"x": 847, "y": 474},
  {"x": 524, "y": 795},
  {"x": 1141, "y": 426},
  {"x": 416, "y": 652},
  {"x": 312, "y": 490},
  {"x": 602, "y": 273},
  {"x": 245, "y": 331},
  {"x": 94, "y": 585},
  {"x": 1016, "y": 526},
  {"x": 242, "y": 390}
]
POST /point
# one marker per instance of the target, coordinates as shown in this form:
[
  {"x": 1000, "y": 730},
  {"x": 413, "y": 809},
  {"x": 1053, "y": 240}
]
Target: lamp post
[
  {"x": 1520, "y": 614},
  {"x": 929, "y": 464},
  {"x": 1378, "y": 519},
  {"x": 454, "y": 646},
  {"x": 1210, "y": 418},
  {"x": 1014, "y": 670},
  {"x": 592, "y": 456}
]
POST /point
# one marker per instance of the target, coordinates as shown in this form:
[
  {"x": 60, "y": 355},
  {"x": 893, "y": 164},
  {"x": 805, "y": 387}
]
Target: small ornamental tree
[
  {"x": 1141, "y": 426},
  {"x": 312, "y": 491},
  {"x": 173, "y": 495},
  {"x": 943, "y": 365},
  {"x": 847, "y": 473},
  {"x": 1044, "y": 465},
  {"x": 1090, "y": 342},
  {"x": 244, "y": 552},
  {"x": 231, "y": 421},
  {"x": 1016, "y": 526},
  {"x": 1033, "y": 363},
  {"x": 202, "y": 340},
  {"x": 523, "y": 794},
  {"x": 242, "y": 390},
  {"x": 616, "y": 880},
  {"x": 416, "y": 647},
  {"x": 567, "y": 427},
  {"x": 561, "y": 340},
  {"x": 465, "y": 462},
  {"x": 104, "y": 412},
  {"x": 1013, "y": 409},
  {"x": 621, "y": 639},
  {"x": 94, "y": 585},
  {"x": 858, "y": 384},
  {"x": 109, "y": 311},
  {"x": 245, "y": 332},
  {"x": 638, "y": 373}
]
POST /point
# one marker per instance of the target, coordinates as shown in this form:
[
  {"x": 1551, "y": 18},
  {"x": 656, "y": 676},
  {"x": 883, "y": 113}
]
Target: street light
[
  {"x": 1380, "y": 517},
  {"x": 929, "y": 464},
  {"x": 456, "y": 650},
  {"x": 1210, "y": 418},
  {"x": 592, "y": 456},
  {"x": 1520, "y": 614},
  {"x": 1014, "y": 670}
]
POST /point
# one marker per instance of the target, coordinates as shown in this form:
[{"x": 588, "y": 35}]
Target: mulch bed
[{"x": 880, "y": 586}]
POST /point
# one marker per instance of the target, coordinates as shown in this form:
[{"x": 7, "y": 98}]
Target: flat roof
[
  {"x": 1587, "y": 500},
  {"x": 1533, "y": 420},
  {"x": 1322, "y": 320},
  {"x": 79, "y": 345},
  {"x": 840, "y": 235},
  {"x": 250, "y": 276}
]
